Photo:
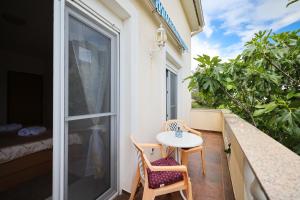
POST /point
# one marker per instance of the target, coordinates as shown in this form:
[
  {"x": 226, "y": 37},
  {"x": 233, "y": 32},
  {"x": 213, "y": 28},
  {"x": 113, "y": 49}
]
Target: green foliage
[
  {"x": 262, "y": 85},
  {"x": 291, "y": 2}
]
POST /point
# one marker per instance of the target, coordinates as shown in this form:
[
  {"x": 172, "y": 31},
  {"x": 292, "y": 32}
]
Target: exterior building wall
[
  {"x": 152, "y": 70},
  {"x": 150, "y": 91},
  {"x": 143, "y": 77}
]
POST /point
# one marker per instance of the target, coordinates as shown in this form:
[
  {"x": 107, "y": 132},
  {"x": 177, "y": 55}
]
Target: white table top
[{"x": 188, "y": 140}]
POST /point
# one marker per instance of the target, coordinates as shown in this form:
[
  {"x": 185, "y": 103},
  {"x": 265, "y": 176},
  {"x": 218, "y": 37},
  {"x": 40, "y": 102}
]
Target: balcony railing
[{"x": 260, "y": 167}]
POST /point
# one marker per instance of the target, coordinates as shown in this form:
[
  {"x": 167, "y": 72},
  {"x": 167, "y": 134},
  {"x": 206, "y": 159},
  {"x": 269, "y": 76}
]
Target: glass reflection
[{"x": 89, "y": 161}]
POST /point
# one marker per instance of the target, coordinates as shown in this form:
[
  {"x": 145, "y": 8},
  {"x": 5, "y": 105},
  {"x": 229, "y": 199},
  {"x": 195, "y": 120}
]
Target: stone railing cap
[{"x": 276, "y": 167}]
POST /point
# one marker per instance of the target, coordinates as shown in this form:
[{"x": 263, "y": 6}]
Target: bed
[{"x": 23, "y": 158}]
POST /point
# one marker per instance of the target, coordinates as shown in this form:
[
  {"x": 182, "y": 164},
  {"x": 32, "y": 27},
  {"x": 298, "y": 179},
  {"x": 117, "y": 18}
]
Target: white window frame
[{"x": 174, "y": 70}]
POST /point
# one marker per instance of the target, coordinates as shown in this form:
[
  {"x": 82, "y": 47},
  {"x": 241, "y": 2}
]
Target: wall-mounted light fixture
[
  {"x": 160, "y": 39},
  {"x": 161, "y": 36}
]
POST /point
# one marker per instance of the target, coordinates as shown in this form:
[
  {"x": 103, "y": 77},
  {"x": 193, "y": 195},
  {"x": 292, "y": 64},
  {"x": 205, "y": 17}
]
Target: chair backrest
[
  {"x": 173, "y": 125},
  {"x": 141, "y": 159}
]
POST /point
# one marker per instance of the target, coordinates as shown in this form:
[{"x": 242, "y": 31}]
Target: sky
[{"x": 231, "y": 23}]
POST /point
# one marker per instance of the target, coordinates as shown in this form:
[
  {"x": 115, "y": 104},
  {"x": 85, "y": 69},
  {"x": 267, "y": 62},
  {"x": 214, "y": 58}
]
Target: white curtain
[{"x": 93, "y": 67}]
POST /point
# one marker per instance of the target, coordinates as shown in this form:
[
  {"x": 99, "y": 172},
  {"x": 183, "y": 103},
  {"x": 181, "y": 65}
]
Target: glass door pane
[
  {"x": 89, "y": 158},
  {"x": 171, "y": 85},
  {"x": 89, "y": 69},
  {"x": 90, "y": 115}
]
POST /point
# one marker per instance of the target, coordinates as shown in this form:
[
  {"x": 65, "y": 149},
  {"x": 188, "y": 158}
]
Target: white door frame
[
  {"x": 58, "y": 100},
  {"x": 59, "y": 152}
]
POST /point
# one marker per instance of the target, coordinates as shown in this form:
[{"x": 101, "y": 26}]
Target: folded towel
[
  {"x": 10, "y": 127},
  {"x": 31, "y": 131}
]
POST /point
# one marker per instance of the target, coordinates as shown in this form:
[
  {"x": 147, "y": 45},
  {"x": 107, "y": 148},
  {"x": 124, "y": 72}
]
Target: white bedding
[{"x": 13, "y": 152}]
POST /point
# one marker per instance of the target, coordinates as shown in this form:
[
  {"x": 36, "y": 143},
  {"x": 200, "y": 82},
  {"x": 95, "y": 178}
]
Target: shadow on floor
[
  {"x": 215, "y": 185},
  {"x": 35, "y": 189}
]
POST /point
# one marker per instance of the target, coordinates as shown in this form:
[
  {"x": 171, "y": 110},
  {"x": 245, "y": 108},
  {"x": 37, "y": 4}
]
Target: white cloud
[
  {"x": 289, "y": 19},
  {"x": 242, "y": 18},
  {"x": 273, "y": 10},
  {"x": 231, "y": 51},
  {"x": 215, "y": 7},
  {"x": 200, "y": 47},
  {"x": 208, "y": 29}
]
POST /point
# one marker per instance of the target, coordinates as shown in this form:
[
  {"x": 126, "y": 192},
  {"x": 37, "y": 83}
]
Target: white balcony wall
[{"x": 206, "y": 119}]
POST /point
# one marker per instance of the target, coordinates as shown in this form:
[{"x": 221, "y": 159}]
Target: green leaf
[
  {"x": 292, "y": 94},
  {"x": 259, "y": 112},
  {"x": 266, "y": 108},
  {"x": 229, "y": 87},
  {"x": 260, "y": 106},
  {"x": 228, "y": 80},
  {"x": 291, "y": 2},
  {"x": 297, "y": 148}
]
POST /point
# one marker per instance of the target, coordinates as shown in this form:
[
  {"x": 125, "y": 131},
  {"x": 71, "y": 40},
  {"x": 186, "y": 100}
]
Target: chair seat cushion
[{"x": 160, "y": 179}]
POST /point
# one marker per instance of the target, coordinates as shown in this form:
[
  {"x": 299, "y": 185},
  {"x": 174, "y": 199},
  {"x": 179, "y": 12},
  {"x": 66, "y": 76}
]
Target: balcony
[
  {"x": 258, "y": 167},
  {"x": 215, "y": 184}
]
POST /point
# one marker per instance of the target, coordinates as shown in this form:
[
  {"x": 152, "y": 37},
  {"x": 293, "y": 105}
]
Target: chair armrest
[
  {"x": 193, "y": 131},
  {"x": 151, "y": 145},
  {"x": 178, "y": 168}
]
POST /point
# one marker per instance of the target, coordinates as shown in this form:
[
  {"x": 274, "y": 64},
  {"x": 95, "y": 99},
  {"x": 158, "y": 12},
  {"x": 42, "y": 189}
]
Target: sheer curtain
[{"x": 93, "y": 68}]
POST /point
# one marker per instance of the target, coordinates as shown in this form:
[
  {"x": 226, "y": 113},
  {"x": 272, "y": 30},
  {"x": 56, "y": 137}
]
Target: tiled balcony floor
[{"x": 215, "y": 185}]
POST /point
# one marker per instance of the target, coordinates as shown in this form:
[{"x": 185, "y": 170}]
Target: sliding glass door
[
  {"x": 171, "y": 94},
  {"x": 91, "y": 55}
]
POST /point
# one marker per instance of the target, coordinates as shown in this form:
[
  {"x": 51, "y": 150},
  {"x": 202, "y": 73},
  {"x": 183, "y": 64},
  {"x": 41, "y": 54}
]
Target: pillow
[{"x": 10, "y": 127}]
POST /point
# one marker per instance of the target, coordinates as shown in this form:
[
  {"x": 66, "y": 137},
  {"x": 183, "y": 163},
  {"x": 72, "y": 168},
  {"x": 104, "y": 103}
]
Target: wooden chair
[
  {"x": 173, "y": 125},
  {"x": 147, "y": 170}
]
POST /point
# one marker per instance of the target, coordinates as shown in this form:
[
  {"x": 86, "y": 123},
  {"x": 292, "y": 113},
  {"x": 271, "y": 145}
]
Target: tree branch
[
  {"x": 286, "y": 74},
  {"x": 238, "y": 103}
]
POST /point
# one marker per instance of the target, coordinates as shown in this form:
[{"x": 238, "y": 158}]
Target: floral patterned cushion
[{"x": 160, "y": 179}]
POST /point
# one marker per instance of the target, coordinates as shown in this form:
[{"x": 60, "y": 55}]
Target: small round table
[{"x": 188, "y": 140}]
